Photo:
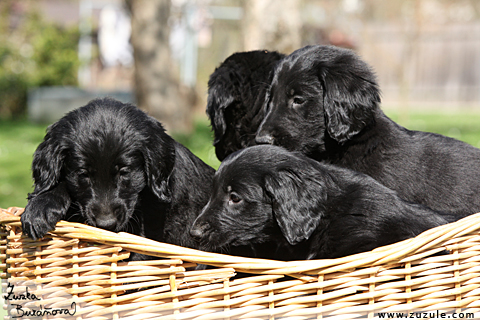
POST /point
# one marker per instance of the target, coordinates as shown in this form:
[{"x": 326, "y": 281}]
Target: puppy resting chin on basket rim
[
  {"x": 110, "y": 165},
  {"x": 295, "y": 208}
]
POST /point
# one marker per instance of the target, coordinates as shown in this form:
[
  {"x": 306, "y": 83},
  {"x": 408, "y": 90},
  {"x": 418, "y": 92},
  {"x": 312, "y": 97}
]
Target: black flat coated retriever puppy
[
  {"x": 110, "y": 165},
  {"x": 265, "y": 194},
  {"x": 236, "y": 94},
  {"x": 324, "y": 102}
]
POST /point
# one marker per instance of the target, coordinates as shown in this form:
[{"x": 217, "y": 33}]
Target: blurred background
[{"x": 56, "y": 55}]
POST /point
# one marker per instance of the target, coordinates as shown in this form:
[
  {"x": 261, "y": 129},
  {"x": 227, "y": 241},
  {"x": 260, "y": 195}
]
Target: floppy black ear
[
  {"x": 159, "y": 155},
  {"x": 219, "y": 98},
  {"x": 298, "y": 203},
  {"x": 351, "y": 92},
  {"x": 48, "y": 161},
  {"x": 223, "y": 101}
]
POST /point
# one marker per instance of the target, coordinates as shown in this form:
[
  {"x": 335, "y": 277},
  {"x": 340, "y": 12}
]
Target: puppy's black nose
[
  {"x": 264, "y": 139},
  {"x": 197, "y": 231},
  {"x": 109, "y": 224}
]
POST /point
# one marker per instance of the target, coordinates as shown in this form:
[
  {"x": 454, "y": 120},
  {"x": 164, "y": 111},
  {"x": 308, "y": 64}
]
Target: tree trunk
[
  {"x": 272, "y": 25},
  {"x": 157, "y": 86}
]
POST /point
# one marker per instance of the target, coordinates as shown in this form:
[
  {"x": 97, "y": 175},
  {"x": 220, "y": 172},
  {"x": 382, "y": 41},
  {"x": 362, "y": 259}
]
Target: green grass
[
  {"x": 200, "y": 142},
  {"x": 463, "y": 125},
  {"x": 19, "y": 139}
]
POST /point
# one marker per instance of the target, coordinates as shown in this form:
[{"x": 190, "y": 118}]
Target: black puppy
[
  {"x": 324, "y": 101},
  {"x": 265, "y": 194},
  {"x": 110, "y": 165},
  {"x": 236, "y": 94}
]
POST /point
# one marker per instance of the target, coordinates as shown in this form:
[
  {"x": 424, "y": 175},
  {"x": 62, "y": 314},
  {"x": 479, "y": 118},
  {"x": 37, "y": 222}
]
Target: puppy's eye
[
  {"x": 83, "y": 174},
  {"x": 298, "y": 100},
  {"x": 125, "y": 171},
  {"x": 234, "y": 198}
]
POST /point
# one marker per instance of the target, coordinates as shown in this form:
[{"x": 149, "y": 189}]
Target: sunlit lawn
[
  {"x": 19, "y": 139},
  {"x": 463, "y": 126}
]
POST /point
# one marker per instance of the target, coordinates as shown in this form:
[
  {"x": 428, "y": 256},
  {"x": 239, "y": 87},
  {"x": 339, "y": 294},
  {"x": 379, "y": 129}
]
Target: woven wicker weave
[{"x": 438, "y": 271}]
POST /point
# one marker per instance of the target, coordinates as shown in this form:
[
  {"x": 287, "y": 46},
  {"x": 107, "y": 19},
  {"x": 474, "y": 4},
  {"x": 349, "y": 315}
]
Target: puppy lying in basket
[
  {"x": 110, "y": 165},
  {"x": 296, "y": 208}
]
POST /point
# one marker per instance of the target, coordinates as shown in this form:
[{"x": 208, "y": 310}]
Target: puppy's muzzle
[
  {"x": 106, "y": 223},
  {"x": 198, "y": 230},
  {"x": 107, "y": 217}
]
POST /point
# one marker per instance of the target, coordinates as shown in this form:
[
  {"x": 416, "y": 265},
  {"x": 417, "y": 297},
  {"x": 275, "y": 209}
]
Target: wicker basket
[{"x": 76, "y": 272}]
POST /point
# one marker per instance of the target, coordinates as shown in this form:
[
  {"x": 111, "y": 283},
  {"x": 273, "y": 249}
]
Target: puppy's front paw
[{"x": 42, "y": 214}]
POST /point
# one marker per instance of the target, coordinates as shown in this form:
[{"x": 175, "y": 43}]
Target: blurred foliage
[{"x": 32, "y": 54}]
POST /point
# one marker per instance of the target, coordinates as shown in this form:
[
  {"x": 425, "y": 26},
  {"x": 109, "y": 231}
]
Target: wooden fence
[{"x": 427, "y": 64}]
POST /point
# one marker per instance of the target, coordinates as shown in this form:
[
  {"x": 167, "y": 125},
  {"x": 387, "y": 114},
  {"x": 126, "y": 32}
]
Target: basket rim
[{"x": 429, "y": 242}]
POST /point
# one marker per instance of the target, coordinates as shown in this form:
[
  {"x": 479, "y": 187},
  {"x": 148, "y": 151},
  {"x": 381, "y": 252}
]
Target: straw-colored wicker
[{"x": 438, "y": 271}]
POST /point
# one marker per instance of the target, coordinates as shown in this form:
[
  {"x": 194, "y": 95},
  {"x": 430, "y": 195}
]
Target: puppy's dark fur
[
  {"x": 236, "y": 94},
  {"x": 110, "y": 165},
  {"x": 265, "y": 194},
  {"x": 324, "y": 101}
]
